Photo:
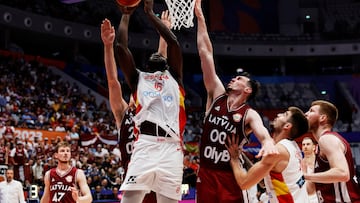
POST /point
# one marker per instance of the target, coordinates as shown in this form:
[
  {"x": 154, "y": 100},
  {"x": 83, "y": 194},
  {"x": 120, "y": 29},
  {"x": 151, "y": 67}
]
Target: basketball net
[{"x": 181, "y": 13}]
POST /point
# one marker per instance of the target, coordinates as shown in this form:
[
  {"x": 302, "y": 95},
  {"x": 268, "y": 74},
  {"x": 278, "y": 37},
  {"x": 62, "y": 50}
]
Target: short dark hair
[
  {"x": 157, "y": 62},
  {"x": 299, "y": 122},
  {"x": 253, "y": 84}
]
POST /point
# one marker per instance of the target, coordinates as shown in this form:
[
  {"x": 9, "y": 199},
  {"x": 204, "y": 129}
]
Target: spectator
[
  {"x": 308, "y": 165},
  {"x": 11, "y": 190},
  {"x": 117, "y": 183},
  {"x": 38, "y": 172},
  {"x": 116, "y": 151},
  {"x": 4, "y": 152},
  {"x": 100, "y": 152},
  {"x": 97, "y": 195},
  {"x": 115, "y": 194},
  {"x": 74, "y": 135},
  {"x": 18, "y": 158}
]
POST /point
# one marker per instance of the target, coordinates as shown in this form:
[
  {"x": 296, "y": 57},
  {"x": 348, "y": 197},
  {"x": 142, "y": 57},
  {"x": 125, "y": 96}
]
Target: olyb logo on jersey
[{"x": 222, "y": 126}]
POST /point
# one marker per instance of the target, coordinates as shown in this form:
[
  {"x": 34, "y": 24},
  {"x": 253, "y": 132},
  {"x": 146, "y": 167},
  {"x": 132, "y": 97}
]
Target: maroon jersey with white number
[
  {"x": 219, "y": 123},
  {"x": 60, "y": 185},
  {"x": 341, "y": 191},
  {"x": 127, "y": 137},
  {"x": 216, "y": 181}
]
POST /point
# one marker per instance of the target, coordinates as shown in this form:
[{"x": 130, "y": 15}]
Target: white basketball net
[{"x": 181, "y": 13}]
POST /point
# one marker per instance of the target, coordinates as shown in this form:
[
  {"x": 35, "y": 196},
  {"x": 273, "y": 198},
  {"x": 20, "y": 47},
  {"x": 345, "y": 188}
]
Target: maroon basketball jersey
[
  {"x": 40, "y": 152},
  {"x": 340, "y": 191},
  {"x": 60, "y": 185},
  {"x": 127, "y": 137},
  {"x": 20, "y": 157},
  {"x": 219, "y": 123}
]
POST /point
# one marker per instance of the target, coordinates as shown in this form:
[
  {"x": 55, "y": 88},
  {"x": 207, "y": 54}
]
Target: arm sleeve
[{"x": 21, "y": 193}]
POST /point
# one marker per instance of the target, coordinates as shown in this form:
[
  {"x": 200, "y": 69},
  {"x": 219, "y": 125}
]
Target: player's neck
[
  {"x": 235, "y": 101},
  {"x": 63, "y": 166},
  {"x": 309, "y": 156},
  {"x": 321, "y": 131}
]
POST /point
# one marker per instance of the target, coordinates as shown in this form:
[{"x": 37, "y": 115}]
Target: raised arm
[
  {"x": 123, "y": 55},
  {"x": 255, "y": 122},
  {"x": 174, "y": 52},
  {"x": 212, "y": 82},
  {"x": 162, "y": 43},
  {"x": 117, "y": 102}
]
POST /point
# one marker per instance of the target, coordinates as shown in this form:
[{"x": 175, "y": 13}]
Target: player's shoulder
[
  {"x": 330, "y": 141},
  {"x": 330, "y": 137},
  {"x": 252, "y": 114},
  {"x": 47, "y": 173},
  {"x": 79, "y": 172}
]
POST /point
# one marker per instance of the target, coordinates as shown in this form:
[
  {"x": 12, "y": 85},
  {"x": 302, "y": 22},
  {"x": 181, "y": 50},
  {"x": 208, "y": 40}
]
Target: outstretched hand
[
  {"x": 165, "y": 18},
  {"x": 268, "y": 148},
  {"x": 107, "y": 32},
  {"x": 232, "y": 146}
]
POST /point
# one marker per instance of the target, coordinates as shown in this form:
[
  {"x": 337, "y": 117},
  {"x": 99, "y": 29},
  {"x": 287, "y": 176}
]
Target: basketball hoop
[{"x": 181, "y": 13}]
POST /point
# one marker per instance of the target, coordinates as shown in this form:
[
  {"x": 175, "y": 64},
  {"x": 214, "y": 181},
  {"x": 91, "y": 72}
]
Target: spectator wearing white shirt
[
  {"x": 100, "y": 151},
  {"x": 60, "y": 128},
  {"x": 116, "y": 151},
  {"x": 74, "y": 135},
  {"x": 38, "y": 171},
  {"x": 11, "y": 190}
]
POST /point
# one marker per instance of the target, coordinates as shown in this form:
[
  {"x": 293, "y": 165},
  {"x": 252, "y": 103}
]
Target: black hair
[
  {"x": 254, "y": 84},
  {"x": 299, "y": 122},
  {"x": 156, "y": 62}
]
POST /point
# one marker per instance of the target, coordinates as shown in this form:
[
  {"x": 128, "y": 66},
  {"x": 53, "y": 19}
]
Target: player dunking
[
  {"x": 226, "y": 114},
  {"x": 65, "y": 183},
  {"x": 122, "y": 111},
  {"x": 157, "y": 160}
]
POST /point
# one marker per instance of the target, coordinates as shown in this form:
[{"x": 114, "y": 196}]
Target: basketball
[{"x": 128, "y": 3}]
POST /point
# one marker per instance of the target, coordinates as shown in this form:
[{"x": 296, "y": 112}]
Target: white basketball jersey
[
  {"x": 160, "y": 99},
  {"x": 288, "y": 186}
]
